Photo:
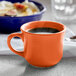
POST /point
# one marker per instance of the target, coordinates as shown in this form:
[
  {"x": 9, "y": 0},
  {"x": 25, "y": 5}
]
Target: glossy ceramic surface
[{"x": 41, "y": 50}]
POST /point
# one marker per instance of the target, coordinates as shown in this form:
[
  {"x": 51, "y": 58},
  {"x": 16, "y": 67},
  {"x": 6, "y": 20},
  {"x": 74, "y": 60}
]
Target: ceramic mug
[{"x": 41, "y": 50}]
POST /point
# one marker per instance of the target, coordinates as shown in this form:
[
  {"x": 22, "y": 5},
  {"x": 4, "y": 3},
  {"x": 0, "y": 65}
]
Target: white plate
[{"x": 69, "y": 47}]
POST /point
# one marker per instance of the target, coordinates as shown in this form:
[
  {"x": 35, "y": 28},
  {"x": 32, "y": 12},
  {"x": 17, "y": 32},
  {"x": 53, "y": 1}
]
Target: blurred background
[{"x": 63, "y": 11}]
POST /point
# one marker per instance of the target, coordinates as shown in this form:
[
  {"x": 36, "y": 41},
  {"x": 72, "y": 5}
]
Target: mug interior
[{"x": 42, "y": 24}]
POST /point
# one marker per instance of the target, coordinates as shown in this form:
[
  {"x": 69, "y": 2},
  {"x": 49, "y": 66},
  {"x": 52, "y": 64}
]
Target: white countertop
[{"x": 17, "y": 66}]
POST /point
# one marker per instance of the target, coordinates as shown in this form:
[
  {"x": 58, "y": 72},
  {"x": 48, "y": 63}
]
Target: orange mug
[{"x": 41, "y": 50}]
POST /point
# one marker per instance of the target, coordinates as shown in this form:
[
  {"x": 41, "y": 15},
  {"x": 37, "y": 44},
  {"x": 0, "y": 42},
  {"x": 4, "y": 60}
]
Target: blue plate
[{"x": 13, "y": 24}]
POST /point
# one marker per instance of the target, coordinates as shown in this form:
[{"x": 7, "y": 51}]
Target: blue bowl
[{"x": 13, "y": 24}]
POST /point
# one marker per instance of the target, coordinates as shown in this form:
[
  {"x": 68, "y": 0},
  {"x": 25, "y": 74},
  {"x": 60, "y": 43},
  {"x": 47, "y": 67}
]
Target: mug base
[{"x": 44, "y": 66}]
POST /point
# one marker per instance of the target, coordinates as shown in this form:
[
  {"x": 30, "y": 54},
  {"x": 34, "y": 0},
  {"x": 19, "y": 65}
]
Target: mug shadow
[{"x": 36, "y": 71}]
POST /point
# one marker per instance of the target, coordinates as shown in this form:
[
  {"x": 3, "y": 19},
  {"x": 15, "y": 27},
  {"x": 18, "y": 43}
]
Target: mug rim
[{"x": 25, "y": 24}]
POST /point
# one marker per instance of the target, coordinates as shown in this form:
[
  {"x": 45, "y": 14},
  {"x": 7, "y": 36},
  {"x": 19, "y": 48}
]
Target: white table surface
[
  {"x": 17, "y": 66},
  {"x": 11, "y": 65}
]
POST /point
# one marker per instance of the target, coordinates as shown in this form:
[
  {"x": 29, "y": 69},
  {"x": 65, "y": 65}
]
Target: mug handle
[{"x": 21, "y": 53}]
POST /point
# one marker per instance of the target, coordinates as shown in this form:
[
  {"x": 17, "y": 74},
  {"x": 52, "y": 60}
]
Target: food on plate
[{"x": 18, "y": 9}]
